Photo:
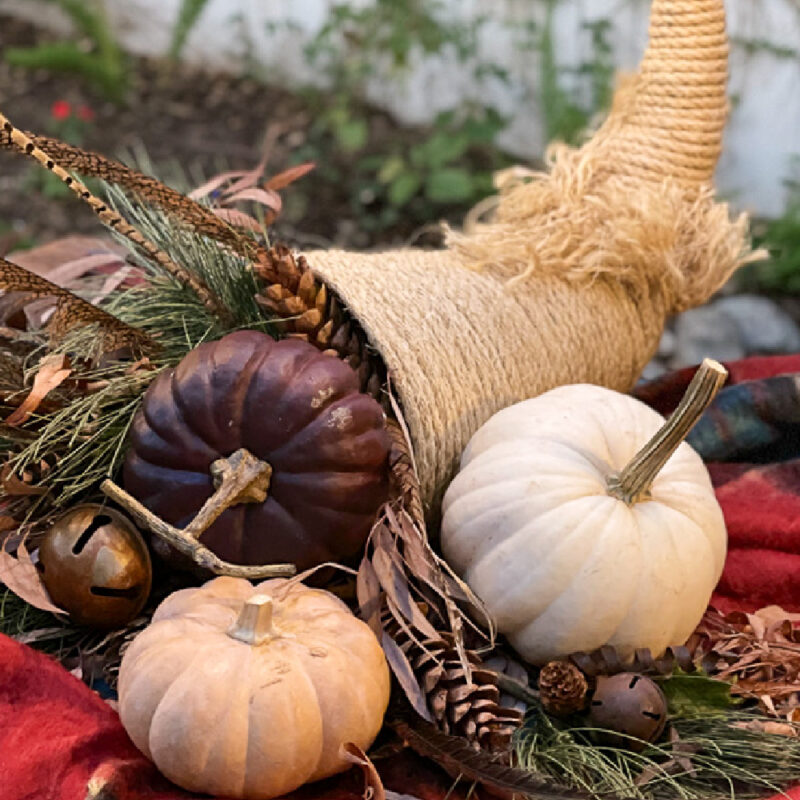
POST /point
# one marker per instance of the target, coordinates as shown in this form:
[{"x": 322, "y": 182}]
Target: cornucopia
[{"x": 315, "y": 417}]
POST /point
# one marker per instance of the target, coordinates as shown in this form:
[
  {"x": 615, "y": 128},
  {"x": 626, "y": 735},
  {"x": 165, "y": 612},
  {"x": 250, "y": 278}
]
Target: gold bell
[{"x": 95, "y": 565}]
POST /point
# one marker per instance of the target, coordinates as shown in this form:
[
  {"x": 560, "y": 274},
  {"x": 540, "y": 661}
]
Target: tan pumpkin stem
[
  {"x": 240, "y": 478},
  {"x": 254, "y": 625},
  {"x": 633, "y": 484}
]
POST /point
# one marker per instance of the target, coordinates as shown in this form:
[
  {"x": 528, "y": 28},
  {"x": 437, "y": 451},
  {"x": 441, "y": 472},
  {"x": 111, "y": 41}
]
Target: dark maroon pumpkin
[{"x": 289, "y": 405}]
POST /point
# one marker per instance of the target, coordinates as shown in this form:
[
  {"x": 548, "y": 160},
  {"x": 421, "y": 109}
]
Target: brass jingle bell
[
  {"x": 95, "y": 565},
  {"x": 629, "y": 704}
]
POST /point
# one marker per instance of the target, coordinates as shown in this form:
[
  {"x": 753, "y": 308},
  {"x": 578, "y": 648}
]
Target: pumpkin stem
[
  {"x": 633, "y": 484},
  {"x": 254, "y": 625},
  {"x": 240, "y": 478}
]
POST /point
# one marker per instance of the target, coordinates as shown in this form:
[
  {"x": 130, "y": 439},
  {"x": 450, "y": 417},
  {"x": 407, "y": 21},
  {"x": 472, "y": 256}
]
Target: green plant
[
  {"x": 103, "y": 64},
  {"x": 390, "y": 179},
  {"x": 781, "y": 237},
  {"x": 569, "y": 97},
  {"x": 188, "y": 15},
  {"x": 422, "y": 180}
]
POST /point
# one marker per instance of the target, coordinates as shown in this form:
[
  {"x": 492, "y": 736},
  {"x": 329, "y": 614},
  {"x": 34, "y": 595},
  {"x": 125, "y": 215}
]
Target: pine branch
[
  {"x": 22, "y": 143},
  {"x": 144, "y": 188},
  {"x": 73, "y": 312}
]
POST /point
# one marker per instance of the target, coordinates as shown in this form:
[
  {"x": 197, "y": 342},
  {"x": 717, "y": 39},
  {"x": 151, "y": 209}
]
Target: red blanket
[
  {"x": 750, "y": 439},
  {"x": 60, "y": 741}
]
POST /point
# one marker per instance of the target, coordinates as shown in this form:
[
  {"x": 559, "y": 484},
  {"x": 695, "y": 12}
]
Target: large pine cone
[{"x": 289, "y": 405}]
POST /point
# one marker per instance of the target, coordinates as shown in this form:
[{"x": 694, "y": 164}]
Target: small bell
[
  {"x": 95, "y": 565},
  {"x": 629, "y": 704}
]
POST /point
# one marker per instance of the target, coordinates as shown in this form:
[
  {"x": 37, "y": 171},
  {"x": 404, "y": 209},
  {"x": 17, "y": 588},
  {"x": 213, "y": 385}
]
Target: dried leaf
[
  {"x": 773, "y": 614},
  {"x": 455, "y": 755},
  {"x": 368, "y": 592},
  {"x": 396, "y": 586},
  {"x": 72, "y": 311},
  {"x": 768, "y": 726},
  {"x": 22, "y": 578},
  {"x": 248, "y": 179},
  {"x": 405, "y": 676},
  {"x": 283, "y": 179},
  {"x": 67, "y": 273},
  {"x": 759, "y": 653},
  {"x": 38, "y": 312},
  {"x": 114, "y": 280},
  {"x": 12, "y": 486},
  {"x": 50, "y": 260},
  {"x": 214, "y": 183},
  {"x": 238, "y": 218},
  {"x": 373, "y": 785},
  {"x": 265, "y": 198},
  {"x": 53, "y": 371}
]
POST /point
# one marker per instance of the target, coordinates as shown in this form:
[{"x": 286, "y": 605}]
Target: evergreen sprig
[
  {"x": 711, "y": 758},
  {"x": 85, "y": 437}
]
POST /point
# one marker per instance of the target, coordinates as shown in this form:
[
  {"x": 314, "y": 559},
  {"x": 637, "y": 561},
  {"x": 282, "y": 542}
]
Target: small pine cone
[
  {"x": 461, "y": 707},
  {"x": 562, "y": 688}
]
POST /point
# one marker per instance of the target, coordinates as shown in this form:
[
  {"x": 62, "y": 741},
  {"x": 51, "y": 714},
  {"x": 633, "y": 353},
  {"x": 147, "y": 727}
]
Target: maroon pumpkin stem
[{"x": 240, "y": 478}]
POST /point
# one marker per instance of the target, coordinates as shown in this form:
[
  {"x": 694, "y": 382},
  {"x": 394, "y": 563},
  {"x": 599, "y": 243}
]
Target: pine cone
[
  {"x": 460, "y": 707},
  {"x": 562, "y": 688},
  {"x": 312, "y": 313}
]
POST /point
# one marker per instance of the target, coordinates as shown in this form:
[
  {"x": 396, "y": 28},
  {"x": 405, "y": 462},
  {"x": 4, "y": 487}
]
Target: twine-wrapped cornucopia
[
  {"x": 574, "y": 277},
  {"x": 570, "y": 281}
]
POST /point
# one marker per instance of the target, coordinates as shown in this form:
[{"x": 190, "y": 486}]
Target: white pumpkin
[{"x": 562, "y": 562}]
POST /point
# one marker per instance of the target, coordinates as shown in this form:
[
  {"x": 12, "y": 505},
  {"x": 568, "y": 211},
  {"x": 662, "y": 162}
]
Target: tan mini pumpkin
[{"x": 249, "y": 692}]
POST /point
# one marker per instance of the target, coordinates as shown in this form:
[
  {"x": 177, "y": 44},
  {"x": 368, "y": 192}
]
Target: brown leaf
[
  {"x": 53, "y": 371},
  {"x": 773, "y": 614},
  {"x": 14, "y": 487},
  {"x": 768, "y": 726},
  {"x": 7, "y": 523},
  {"x": 405, "y": 676},
  {"x": 368, "y": 592},
  {"x": 69, "y": 272},
  {"x": 373, "y": 785},
  {"x": 50, "y": 260},
  {"x": 238, "y": 218},
  {"x": 266, "y": 198},
  {"x": 214, "y": 183},
  {"x": 72, "y": 311},
  {"x": 22, "y": 578},
  {"x": 283, "y": 179},
  {"x": 395, "y": 584},
  {"x": 248, "y": 179}
]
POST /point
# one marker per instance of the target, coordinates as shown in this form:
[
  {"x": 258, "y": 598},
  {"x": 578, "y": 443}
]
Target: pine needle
[
  {"x": 724, "y": 761},
  {"x": 86, "y": 436}
]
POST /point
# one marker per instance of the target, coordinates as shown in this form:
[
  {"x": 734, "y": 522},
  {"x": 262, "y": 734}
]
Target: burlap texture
[
  {"x": 460, "y": 344},
  {"x": 574, "y": 277}
]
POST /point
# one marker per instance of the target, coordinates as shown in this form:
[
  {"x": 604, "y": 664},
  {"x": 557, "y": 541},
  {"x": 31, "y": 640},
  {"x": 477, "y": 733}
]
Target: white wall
[{"x": 761, "y": 139}]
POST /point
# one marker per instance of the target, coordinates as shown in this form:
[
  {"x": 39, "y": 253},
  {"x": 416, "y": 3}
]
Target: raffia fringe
[{"x": 568, "y": 224}]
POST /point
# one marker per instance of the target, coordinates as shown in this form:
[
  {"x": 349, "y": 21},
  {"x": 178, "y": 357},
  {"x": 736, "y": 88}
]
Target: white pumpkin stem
[
  {"x": 254, "y": 625},
  {"x": 633, "y": 484}
]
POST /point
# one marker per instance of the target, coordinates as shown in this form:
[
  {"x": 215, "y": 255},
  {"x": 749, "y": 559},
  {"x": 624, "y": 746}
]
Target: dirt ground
[{"x": 184, "y": 120}]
